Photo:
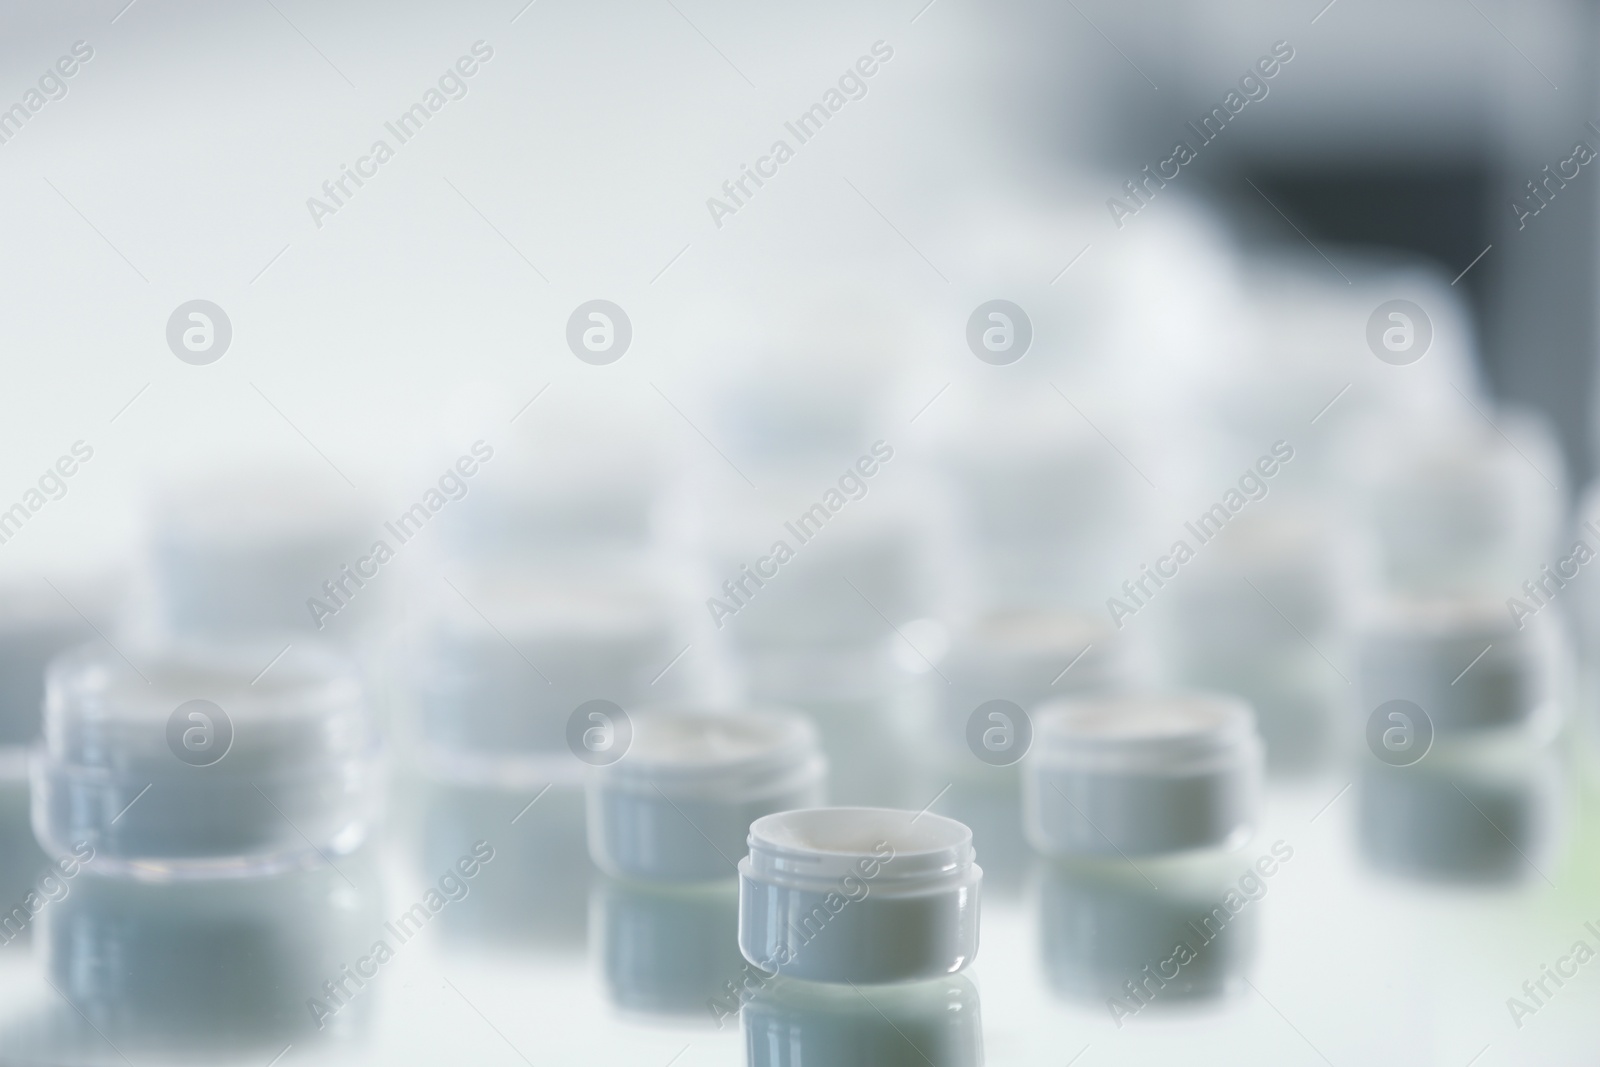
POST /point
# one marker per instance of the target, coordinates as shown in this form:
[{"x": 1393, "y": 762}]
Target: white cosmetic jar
[
  {"x": 677, "y": 805},
  {"x": 204, "y": 760},
  {"x": 493, "y": 699},
  {"x": 240, "y": 553},
  {"x": 859, "y": 895},
  {"x": 1467, "y": 662},
  {"x": 1142, "y": 774}
]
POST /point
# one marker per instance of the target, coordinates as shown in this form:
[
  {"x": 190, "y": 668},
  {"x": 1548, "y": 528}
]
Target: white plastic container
[
  {"x": 1492, "y": 814},
  {"x": 1463, "y": 661},
  {"x": 1139, "y": 775},
  {"x": 859, "y": 895},
  {"x": 677, "y": 806},
  {"x": 493, "y": 698},
  {"x": 1026, "y": 655},
  {"x": 248, "y": 551},
  {"x": 202, "y": 761}
]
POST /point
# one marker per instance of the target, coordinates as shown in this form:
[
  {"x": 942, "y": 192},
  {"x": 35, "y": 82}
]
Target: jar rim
[
  {"x": 303, "y": 702},
  {"x": 813, "y": 847}
]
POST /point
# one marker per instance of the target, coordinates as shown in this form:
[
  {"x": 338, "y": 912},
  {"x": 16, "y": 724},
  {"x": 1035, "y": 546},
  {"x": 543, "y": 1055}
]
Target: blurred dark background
[{"x": 1411, "y": 126}]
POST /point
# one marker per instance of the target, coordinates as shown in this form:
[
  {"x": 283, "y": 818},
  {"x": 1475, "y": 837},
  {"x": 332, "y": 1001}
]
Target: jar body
[
  {"x": 159, "y": 823},
  {"x": 850, "y": 934},
  {"x": 652, "y": 835},
  {"x": 1071, "y": 811}
]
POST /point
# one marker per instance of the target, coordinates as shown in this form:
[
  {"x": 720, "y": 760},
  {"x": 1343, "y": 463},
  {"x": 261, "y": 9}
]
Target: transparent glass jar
[{"x": 212, "y": 760}]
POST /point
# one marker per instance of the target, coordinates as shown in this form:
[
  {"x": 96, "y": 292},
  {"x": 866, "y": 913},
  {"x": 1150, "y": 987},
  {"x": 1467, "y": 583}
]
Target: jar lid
[
  {"x": 816, "y": 847},
  {"x": 1145, "y": 733}
]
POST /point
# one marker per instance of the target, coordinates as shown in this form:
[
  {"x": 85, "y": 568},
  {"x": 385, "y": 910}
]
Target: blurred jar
[
  {"x": 1455, "y": 508},
  {"x": 534, "y": 897},
  {"x": 1310, "y": 362},
  {"x": 1143, "y": 775},
  {"x": 831, "y": 557},
  {"x": 1255, "y": 615},
  {"x": 243, "y": 553},
  {"x": 507, "y": 656},
  {"x": 1459, "y": 781},
  {"x": 845, "y": 692},
  {"x": 1566, "y": 577},
  {"x": 677, "y": 806},
  {"x": 1486, "y": 814},
  {"x": 571, "y": 493},
  {"x": 1042, "y": 507},
  {"x": 1475, "y": 670},
  {"x": 996, "y": 669},
  {"x": 215, "y": 760}
]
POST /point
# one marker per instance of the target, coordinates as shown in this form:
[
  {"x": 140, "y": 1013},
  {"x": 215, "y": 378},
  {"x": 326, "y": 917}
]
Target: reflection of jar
[
  {"x": 204, "y": 971},
  {"x": 667, "y": 950},
  {"x": 803, "y": 1024},
  {"x": 678, "y": 804},
  {"x": 1480, "y": 813},
  {"x": 535, "y": 895},
  {"x": 20, "y": 856},
  {"x": 199, "y": 762},
  {"x": 1138, "y": 775},
  {"x": 1107, "y": 932}
]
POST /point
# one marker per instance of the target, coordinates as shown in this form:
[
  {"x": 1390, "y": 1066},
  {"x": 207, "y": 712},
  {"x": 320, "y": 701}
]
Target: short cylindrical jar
[
  {"x": 493, "y": 699},
  {"x": 677, "y": 805},
  {"x": 204, "y": 760},
  {"x": 1142, "y": 774},
  {"x": 1472, "y": 666},
  {"x": 862, "y": 895}
]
